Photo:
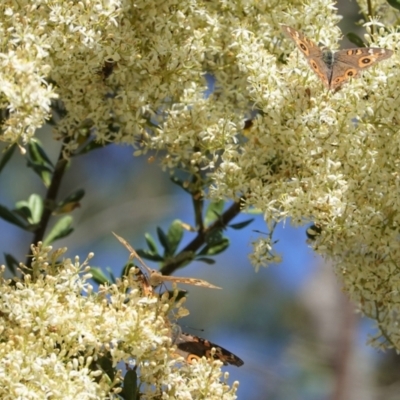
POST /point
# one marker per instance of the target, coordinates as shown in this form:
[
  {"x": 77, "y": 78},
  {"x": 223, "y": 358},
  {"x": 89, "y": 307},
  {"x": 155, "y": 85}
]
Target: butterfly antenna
[{"x": 133, "y": 254}]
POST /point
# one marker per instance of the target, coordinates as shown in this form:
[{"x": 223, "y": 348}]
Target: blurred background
[{"x": 298, "y": 335}]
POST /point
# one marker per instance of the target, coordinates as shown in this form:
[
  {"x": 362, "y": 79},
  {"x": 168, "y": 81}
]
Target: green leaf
[
  {"x": 30, "y": 210},
  {"x": 127, "y": 268},
  {"x": 90, "y": 146},
  {"x": 7, "y": 156},
  {"x": 106, "y": 365},
  {"x": 214, "y": 236},
  {"x": 39, "y": 162},
  {"x": 355, "y": 39},
  {"x": 23, "y": 210},
  {"x": 216, "y": 248},
  {"x": 394, "y": 3},
  {"x": 175, "y": 234},
  {"x": 37, "y": 153},
  {"x": 98, "y": 276},
  {"x": 70, "y": 202},
  {"x": 149, "y": 256},
  {"x": 151, "y": 243},
  {"x": 61, "y": 229},
  {"x": 74, "y": 196},
  {"x": 35, "y": 204},
  {"x": 45, "y": 173},
  {"x": 130, "y": 390},
  {"x": 206, "y": 260},
  {"x": 12, "y": 218},
  {"x": 184, "y": 258},
  {"x": 162, "y": 237},
  {"x": 252, "y": 211},
  {"x": 214, "y": 210},
  {"x": 241, "y": 225},
  {"x": 111, "y": 274},
  {"x": 11, "y": 263}
]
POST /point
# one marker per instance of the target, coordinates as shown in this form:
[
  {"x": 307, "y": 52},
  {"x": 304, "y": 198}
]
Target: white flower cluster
[
  {"x": 55, "y": 331},
  {"x": 186, "y": 75}
]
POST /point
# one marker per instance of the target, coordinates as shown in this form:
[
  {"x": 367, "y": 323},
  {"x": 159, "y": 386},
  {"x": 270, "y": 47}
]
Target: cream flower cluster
[
  {"x": 55, "y": 331},
  {"x": 186, "y": 75}
]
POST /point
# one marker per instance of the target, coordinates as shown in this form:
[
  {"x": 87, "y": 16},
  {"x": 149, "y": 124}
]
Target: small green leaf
[
  {"x": 127, "y": 268},
  {"x": 23, "y": 210},
  {"x": 130, "y": 390},
  {"x": 355, "y": 39},
  {"x": 214, "y": 236},
  {"x": 162, "y": 237},
  {"x": 241, "y": 225},
  {"x": 151, "y": 243},
  {"x": 216, "y": 248},
  {"x": 61, "y": 229},
  {"x": 214, "y": 210},
  {"x": 74, "y": 196},
  {"x": 7, "y": 156},
  {"x": 90, "y": 146},
  {"x": 394, "y": 3},
  {"x": 45, "y": 173},
  {"x": 106, "y": 365},
  {"x": 149, "y": 256},
  {"x": 12, "y": 218},
  {"x": 180, "y": 260},
  {"x": 69, "y": 203},
  {"x": 37, "y": 153},
  {"x": 111, "y": 274},
  {"x": 39, "y": 161},
  {"x": 35, "y": 204},
  {"x": 175, "y": 234},
  {"x": 206, "y": 260},
  {"x": 98, "y": 276},
  {"x": 252, "y": 211},
  {"x": 11, "y": 263}
]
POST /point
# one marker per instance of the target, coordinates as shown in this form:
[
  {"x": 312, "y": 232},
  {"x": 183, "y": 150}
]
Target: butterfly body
[{"x": 335, "y": 68}]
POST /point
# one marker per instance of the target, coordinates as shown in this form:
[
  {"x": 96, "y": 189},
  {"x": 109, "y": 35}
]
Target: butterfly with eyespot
[
  {"x": 335, "y": 68},
  {"x": 192, "y": 347},
  {"x": 154, "y": 278}
]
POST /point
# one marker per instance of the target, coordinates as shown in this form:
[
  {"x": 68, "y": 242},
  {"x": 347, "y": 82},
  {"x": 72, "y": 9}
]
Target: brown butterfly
[
  {"x": 335, "y": 68},
  {"x": 155, "y": 278},
  {"x": 192, "y": 347}
]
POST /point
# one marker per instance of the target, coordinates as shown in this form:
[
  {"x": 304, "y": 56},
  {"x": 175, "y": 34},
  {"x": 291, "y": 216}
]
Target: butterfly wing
[
  {"x": 156, "y": 279},
  {"x": 315, "y": 56},
  {"x": 193, "y": 348},
  {"x": 350, "y": 63}
]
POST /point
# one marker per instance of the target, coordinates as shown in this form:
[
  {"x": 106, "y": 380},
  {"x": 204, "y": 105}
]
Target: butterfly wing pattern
[
  {"x": 192, "y": 348},
  {"x": 335, "y": 68}
]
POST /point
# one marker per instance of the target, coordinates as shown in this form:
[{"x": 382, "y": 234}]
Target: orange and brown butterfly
[
  {"x": 336, "y": 68},
  {"x": 155, "y": 278},
  {"x": 192, "y": 347}
]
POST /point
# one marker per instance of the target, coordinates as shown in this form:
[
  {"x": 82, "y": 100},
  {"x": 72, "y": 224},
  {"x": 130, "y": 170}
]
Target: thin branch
[
  {"x": 49, "y": 201},
  {"x": 369, "y": 6},
  {"x": 200, "y": 240}
]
